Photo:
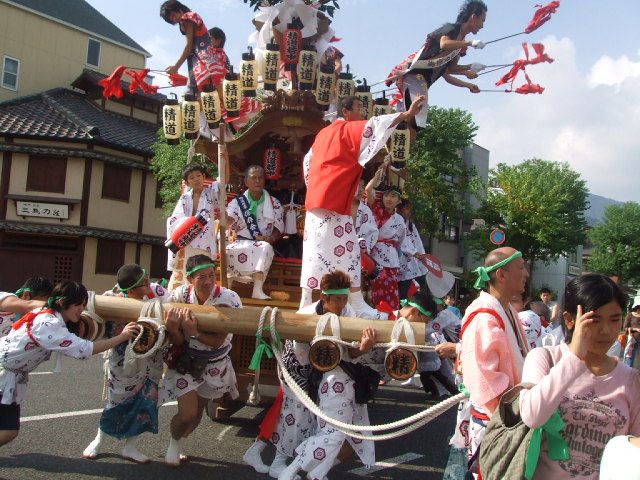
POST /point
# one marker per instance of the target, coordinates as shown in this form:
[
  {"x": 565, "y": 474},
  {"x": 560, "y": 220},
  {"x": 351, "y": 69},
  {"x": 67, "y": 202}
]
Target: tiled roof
[
  {"x": 81, "y": 15},
  {"x": 66, "y": 115},
  {"x": 54, "y": 151},
  {"x": 54, "y": 229}
]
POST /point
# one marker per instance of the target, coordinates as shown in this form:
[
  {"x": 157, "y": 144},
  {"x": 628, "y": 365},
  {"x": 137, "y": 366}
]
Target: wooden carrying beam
[{"x": 244, "y": 321}]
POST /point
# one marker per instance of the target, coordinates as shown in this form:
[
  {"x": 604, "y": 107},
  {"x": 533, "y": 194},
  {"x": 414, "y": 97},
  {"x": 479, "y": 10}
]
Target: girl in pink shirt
[{"x": 597, "y": 396}]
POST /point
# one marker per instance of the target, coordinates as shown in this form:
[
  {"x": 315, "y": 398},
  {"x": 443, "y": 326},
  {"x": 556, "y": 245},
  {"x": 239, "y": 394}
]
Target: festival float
[{"x": 283, "y": 93}]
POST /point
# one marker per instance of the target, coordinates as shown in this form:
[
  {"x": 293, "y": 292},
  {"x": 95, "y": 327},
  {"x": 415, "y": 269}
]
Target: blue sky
[{"x": 588, "y": 116}]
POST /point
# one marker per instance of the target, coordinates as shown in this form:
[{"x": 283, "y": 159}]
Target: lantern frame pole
[{"x": 222, "y": 201}]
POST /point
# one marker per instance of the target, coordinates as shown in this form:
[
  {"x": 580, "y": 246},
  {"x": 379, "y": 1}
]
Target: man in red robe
[{"x": 333, "y": 168}]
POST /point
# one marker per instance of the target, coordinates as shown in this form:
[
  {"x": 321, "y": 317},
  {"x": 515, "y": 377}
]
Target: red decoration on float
[
  {"x": 139, "y": 82},
  {"x": 112, "y": 85},
  {"x": 292, "y": 43},
  {"x": 186, "y": 232},
  {"x": 177, "y": 80},
  {"x": 272, "y": 163},
  {"x": 542, "y": 16}
]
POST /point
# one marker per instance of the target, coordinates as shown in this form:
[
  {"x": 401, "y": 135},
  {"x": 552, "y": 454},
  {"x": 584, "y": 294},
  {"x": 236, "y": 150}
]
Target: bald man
[{"x": 493, "y": 341}]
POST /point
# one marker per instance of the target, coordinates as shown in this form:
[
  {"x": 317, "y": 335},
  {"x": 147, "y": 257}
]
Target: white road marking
[
  {"x": 223, "y": 432},
  {"x": 40, "y": 373},
  {"x": 78, "y": 413},
  {"x": 388, "y": 463}
]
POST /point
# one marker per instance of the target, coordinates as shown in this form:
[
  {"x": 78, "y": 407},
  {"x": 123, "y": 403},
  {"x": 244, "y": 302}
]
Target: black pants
[{"x": 430, "y": 386}]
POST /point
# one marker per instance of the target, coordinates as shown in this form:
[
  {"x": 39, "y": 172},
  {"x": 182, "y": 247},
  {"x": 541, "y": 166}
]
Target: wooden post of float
[{"x": 222, "y": 174}]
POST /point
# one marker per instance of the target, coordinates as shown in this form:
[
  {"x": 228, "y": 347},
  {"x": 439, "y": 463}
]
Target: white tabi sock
[
  {"x": 93, "y": 449},
  {"x": 363, "y": 310},
  {"x": 130, "y": 452},
  {"x": 278, "y": 465},
  {"x": 258, "y": 281},
  {"x": 172, "y": 458},
  {"x": 252, "y": 456},
  {"x": 291, "y": 472}
]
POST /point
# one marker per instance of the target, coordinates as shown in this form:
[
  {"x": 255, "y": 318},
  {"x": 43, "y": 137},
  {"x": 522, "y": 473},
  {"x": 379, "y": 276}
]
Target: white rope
[
  {"x": 348, "y": 428},
  {"x": 254, "y": 396},
  {"x": 91, "y": 309}
]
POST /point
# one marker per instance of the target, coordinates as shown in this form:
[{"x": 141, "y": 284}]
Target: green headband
[
  {"x": 397, "y": 192},
  {"x": 414, "y": 304},
  {"x": 199, "y": 267},
  {"x": 144, "y": 274},
  {"x": 23, "y": 289},
  {"x": 483, "y": 272},
  {"x": 336, "y": 291},
  {"x": 53, "y": 300}
]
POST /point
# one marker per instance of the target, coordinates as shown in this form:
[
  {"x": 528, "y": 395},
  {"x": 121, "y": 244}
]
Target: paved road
[{"x": 50, "y": 444}]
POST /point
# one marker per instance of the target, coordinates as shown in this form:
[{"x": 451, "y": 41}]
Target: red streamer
[
  {"x": 529, "y": 87},
  {"x": 542, "y": 15},
  {"x": 521, "y": 64},
  {"x": 112, "y": 85},
  {"x": 139, "y": 82},
  {"x": 177, "y": 80}
]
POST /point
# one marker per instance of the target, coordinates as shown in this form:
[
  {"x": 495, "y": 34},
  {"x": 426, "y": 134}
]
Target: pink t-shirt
[{"x": 594, "y": 409}]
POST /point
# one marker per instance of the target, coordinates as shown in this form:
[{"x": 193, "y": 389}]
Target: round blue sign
[{"x": 497, "y": 237}]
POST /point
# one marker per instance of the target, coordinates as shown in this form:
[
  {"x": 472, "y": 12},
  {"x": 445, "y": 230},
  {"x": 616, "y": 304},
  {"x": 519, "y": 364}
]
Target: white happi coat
[
  {"x": 410, "y": 266},
  {"x": 219, "y": 376},
  {"x": 21, "y": 353},
  {"x": 244, "y": 256},
  {"x": 385, "y": 254},
  {"x": 330, "y": 241},
  {"x": 336, "y": 398},
  {"x": 366, "y": 228},
  {"x": 296, "y": 423},
  {"x": 183, "y": 210},
  {"x": 123, "y": 386},
  {"x": 532, "y": 326},
  {"x": 6, "y": 318}
]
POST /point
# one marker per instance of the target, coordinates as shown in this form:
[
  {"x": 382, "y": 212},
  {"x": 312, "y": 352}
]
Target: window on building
[
  {"x": 116, "y": 182},
  {"x": 159, "y": 263},
  {"x": 10, "y": 73},
  {"x": 110, "y": 256},
  {"x": 451, "y": 233},
  {"x": 93, "y": 53},
  {"x": 46, "y": 174}
]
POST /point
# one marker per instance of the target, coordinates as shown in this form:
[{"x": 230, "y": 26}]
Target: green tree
[
  {"x": 539, "y": 205},
  {"x": 616, "y": 243},
  {"x": 438, "y": 176},
  {"x": 168, "y": 163}
]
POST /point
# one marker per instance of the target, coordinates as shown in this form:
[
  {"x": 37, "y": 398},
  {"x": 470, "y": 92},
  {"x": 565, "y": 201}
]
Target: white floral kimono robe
[
  {"x": 219, "y": 376},
  {"x": 6, "y": 318},
  {"x": 330, "y": 241},
  {"x": 386, "y": 254},
  {"x": 366, "y": 228},
  {"x": 207, "y": 239},
  {"x": 246, "y": 256},
  {"x": 410, "y": 266},
  {"x": 136, "y": 393},
  {"x": 336, "y": 398},
  {"x": 22, "y": 350}
]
